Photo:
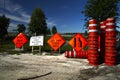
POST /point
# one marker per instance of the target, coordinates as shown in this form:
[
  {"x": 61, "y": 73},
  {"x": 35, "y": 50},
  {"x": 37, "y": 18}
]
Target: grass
[{"x": 8, "y": 46}]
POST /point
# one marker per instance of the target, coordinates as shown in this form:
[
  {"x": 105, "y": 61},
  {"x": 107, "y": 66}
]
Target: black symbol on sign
[{"x": 79, "y": 42}]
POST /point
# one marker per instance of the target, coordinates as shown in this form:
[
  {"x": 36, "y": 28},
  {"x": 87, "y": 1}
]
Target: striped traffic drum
[
  {"x": 102, "y": 41},
  {"x": 76, "y": 54},
  {"x": 70, "y": 54},
  {"x": 110, "y": 42},
  {"x": 93, "y": 43}
]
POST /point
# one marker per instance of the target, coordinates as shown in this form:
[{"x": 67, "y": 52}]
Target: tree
[
  {"x": 86, "y": 33},
  {"x": 101, "y": 9},
  {"x": 4, "y": 24},
  {"x": 54, "y": 30},
  {"x": 48, "y": 31},
  {"x": 37, "y": 23},
  {"x": 21, "y": 28}
]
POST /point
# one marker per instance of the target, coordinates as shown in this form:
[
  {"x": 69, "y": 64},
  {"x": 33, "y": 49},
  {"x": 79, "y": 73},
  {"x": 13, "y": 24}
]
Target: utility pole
[{"x": 4, "y": 7}]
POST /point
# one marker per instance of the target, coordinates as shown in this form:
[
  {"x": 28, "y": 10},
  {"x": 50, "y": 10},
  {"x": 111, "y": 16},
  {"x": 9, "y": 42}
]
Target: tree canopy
[
  {"x": 4, "y": 24},
  {"x": 21, "y": 28},
  {"x": 101, "y": 9},
  {"x": 37, "y": 23},
  {"x": 54, "y": 30},
  {"x": 48, "y": 31}
]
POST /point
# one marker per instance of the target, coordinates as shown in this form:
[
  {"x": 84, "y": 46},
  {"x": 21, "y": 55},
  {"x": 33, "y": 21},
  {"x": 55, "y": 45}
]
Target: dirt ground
[{"x": 40, "y": 67}]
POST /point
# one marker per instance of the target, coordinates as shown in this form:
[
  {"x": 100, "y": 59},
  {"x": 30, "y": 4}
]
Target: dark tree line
[
  {"x": 101, "y": 10},
  {"x": 21, "y": 28},
  {"x": 97, "y": 9},
  {"x": 4, "y": 24},
  {"x": 38, "y": 23}
]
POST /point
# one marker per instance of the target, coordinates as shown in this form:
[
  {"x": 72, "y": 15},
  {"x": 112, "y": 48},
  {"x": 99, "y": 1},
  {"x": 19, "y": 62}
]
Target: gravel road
[
  {"x": 38, "y": 67},
  {"x": 46, "y": 67}
]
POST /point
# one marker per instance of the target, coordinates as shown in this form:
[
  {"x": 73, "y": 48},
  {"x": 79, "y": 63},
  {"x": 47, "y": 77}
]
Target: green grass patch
[{"x": 9, "y": 46}]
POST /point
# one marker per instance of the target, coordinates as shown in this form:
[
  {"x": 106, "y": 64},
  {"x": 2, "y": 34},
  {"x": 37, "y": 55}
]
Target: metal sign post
[
  {"x": 32, "y": 49},
  {"x": 59, "y": 50},
  {"x": 19, "y": 49},
  {"x": 39, "y": 49}
]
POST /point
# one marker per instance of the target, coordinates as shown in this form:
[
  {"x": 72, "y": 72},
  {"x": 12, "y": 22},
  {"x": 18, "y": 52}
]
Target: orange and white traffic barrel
[
  {"x": 110, "y": 42},
  {"x": 76, "y": 54},
  {"x": 82, "y": 54},
  {"x": 102, "y": 40},
  {"x": 70, "y": 54},
  {"x": 93, "y": 43}
]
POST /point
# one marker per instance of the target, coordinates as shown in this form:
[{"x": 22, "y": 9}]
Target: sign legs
[
  {"x": 32, "y": 49},
  {"x": 19, "y": 49},
  {"x": 39, "y": 49},
  {"x": 36, "y": 50}
]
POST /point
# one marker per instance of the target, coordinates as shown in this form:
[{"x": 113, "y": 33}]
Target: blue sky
[{"x": 64, "y": 14}]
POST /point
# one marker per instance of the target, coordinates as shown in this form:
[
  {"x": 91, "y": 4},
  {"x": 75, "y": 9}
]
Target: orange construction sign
[
  {"x": 78, "y": 42},
  {"x": 56, "y": 41},
  {"x": 20, "y": 40}
]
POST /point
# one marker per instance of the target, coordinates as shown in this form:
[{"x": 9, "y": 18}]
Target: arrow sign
[{"x": 78, "y": 42}]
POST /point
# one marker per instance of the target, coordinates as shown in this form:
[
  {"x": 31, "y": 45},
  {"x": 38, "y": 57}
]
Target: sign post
[
  {"x": 39, "y": 49},
  {"x": 32, "y": 49},
  {"x": 19, "y": 49},
  {"x": 36, "y": 41}
]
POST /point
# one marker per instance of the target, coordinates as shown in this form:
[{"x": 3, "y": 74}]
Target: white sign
[{"x": 36, "y": 41}]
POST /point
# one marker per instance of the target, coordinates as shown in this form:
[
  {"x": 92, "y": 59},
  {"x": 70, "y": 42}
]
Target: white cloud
[
  {"x": 16, "y": 18},
  {"x": 11, "y": 6},
  {"x": 51, "y": 23},
  {"x": 25, "y": 15},
  {"x": 15, "y": 11},
  {"x": 12, "y": 26}
]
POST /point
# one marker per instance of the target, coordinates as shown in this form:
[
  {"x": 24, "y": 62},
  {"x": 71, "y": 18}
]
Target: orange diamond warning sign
[
  {"x": 78, "y": 42},
  {"x": 20, "y": 40},
  {"x": 56, "y": 41}
]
